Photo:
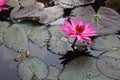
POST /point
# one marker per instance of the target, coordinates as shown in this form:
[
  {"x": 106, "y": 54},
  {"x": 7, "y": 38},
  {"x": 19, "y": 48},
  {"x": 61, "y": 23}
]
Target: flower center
[{"x": 79, "y": 29}]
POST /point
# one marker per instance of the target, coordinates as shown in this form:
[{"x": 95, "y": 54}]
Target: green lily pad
[
  {"x": 110, "y": 67},
  {"x": 3, "y": 29},
  {"x": 112, "y": 53},
  {"x": 15, "y": 38},
  {"x": 107, "y": 43},
  {"x": 56, "y": 45},
  {"x": 100, "y": 77},
  {"x": 106, "y": 20},
  {"x": 81, "y": 68},
  {"x": 40, "y": 36},
  {"x": 31, "y": 68},
  {"x": 53, "y": 73}
]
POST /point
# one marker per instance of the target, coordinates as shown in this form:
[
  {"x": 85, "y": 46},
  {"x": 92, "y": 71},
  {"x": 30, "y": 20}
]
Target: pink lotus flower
[
  {"x": 78, "y": 30},
  {"x": 3, "y": 2}
]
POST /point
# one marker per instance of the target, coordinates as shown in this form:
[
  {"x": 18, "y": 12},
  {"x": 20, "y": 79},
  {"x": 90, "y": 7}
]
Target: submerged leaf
[
  {"x": 107, "y": 43},
  {"x": 15, "y": 38},
  {"x": 37, "y": 12},
  {"x": 31, "y": 68},
  {"x": 105, "y": 20},
  {"x": 110, "y": 67},
  {"x": 73, "y": 3},
  {"x": 80, "y": 68}
]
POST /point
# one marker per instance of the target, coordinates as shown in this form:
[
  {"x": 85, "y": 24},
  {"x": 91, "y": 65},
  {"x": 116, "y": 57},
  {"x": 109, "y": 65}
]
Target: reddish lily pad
[
  {"x": 73, "y": 3},
  {"x": 106, "y": 20},
  {"x": 37, "y": 12}
]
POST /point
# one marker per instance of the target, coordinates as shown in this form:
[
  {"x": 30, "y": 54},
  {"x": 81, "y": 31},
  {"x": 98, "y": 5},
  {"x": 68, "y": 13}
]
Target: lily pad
[
  {"x": 40, "y": 36},
  {"x": 3, "y": 29},
  {"x": 110, "y": 67},
  {"x": 31, "y": 68},
  {"x": 12, "y": 3},
  {"x": 106, "y": 43},
  {"x": 15, "y": 38},
  {"x": 56, "y": 45},
  {"x": 81, "y": 68},
  {"x": 27, "y": 3},
  {"x": 37, "y": 12},
  {"x": 73, "y": 3},
  {"x": 106, "y": 20},
  {"x": 53, "y": 73},
  {"x": 100, "y": 77},
  {"x": 112, "y": 53}
]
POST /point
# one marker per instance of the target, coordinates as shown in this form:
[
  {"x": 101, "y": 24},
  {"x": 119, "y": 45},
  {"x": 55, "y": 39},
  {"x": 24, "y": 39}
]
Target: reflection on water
[{"x": 8, "y": 65}]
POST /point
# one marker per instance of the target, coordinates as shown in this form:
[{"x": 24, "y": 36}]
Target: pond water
[{"x": 8, "y": 65}]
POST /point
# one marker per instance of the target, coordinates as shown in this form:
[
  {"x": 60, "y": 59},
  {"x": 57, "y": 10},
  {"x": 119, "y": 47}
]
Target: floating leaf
[
  {"x": 36, "y": 33},
  {"x": 109, "y": 20},
  {"x": 115, "y": 52},
  {"x": 3, "y": 29},
  {"x": 110, "y": 67},
  {"x": 80, "y": 68},
  {"x": 47, "y": 3},
  {"x": 56, "y": 45},
  {"x": 73, "y": 3},
  {"x": 100, "y": 77},
  {"x": 106, "y": 20},
  {"x": 107, "y": 43},
  {"x": 31, "y": 68},
  {"x": 37, "y": 12},
  {"x": 53, "y": 73},
  {"x": 12, "y": 3},
  {"x": 86, "y": 13},
  {"x": 16, "y": 39},
  {"x": 27, "y": 3},
  {"x": 40, "y": 36},
  {"x": 58, "y": 22},
  {"x": 114, "y": 4}
]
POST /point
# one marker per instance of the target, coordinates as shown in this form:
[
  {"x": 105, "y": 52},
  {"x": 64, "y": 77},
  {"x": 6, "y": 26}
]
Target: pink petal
[
  {"x": 80, "y": 22},
  {"x": 74, "y": 24},
  {"x": 67, "y": 23},
  {"x": 72, "y": 35},
  {"x": 87, "y": 25},
  {"x": 3, "y": 8},
  {"x": 80, "y": 39},
  {"x": 89, "y": 34},
  {"x": 3, "y": 2},
  {"x": 87, "y": 39}
]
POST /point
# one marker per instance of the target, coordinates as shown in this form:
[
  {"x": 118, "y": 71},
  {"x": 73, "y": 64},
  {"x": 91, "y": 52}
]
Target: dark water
[{"x": 8, "y": 67}]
